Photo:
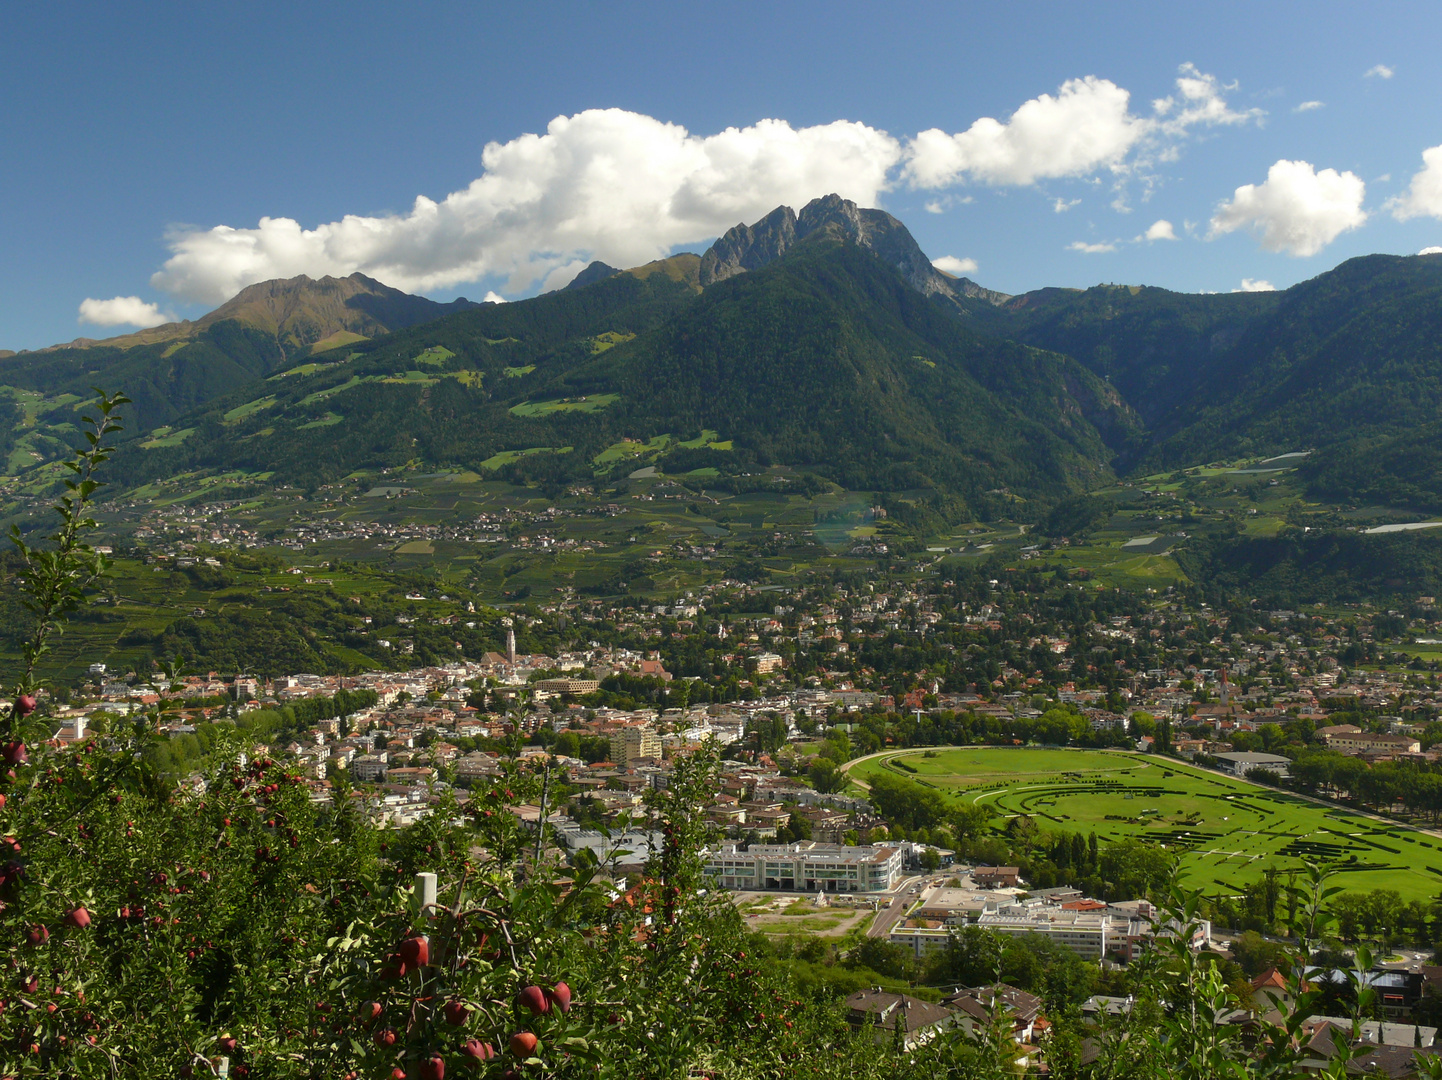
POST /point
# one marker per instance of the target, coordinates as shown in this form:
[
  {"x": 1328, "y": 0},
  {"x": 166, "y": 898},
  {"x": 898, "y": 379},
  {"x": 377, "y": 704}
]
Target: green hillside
[
  {"x": 1153, "y": 345},
  {"x": 826, "y": 361},
  {"x": 172, "y": 369},
  {"x": 1355, "y": 353}
]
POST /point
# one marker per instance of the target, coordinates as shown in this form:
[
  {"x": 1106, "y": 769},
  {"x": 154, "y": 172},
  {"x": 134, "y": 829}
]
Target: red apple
[
  {"x": 523, "y": 1044},
  {"x": 79, "y": 918},
  {"x": 533, "y": 998},
  {"x": 38, "y": 935},
  {"x": 415, "y": 951},
  {"x": 385, "y": 1037},
  {"x": 398, "y": 1073},
  {"x": 560, "y": 996},
  {"x": 433, "y": 1068},
  {"x": 371, "y": 1010},
  {"x": 478, "y": 1051},
  {"x": 14, "y": 753},
  {"x": 229, "y": 1044},
  {"x": 456, "y": 1013},
  {"x": 25, "y": 704},
  {"x": 395, "y": 968}
]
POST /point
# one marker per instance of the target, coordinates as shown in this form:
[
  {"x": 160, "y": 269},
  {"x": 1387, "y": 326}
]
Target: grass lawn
[
  {"x": 240, "y": 412},
  {"x": 590, "y": 403},
  {"x": 166, "y": 437},
  {"x": 1226, "y": 832},
  {"x": 622, "y": 450},
  {"x": 505, "y": 457},
  {"x": 609, "y": 340}
]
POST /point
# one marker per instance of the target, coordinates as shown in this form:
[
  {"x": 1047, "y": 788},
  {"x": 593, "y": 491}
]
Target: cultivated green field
[{"x": 1226, "y": 832}]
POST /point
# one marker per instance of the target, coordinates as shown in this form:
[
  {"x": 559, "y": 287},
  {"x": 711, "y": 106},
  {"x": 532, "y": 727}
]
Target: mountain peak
[
  {"x": 597, "y": 271},
  {"x": 750, "y": 247}
]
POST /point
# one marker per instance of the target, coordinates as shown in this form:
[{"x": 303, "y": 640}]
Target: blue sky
[{"x": 145, "y": 143}]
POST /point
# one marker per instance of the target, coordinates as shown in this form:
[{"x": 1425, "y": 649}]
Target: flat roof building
[
  {"x": 806, "y": 866},
  {"x": 1240, "y": 763}
]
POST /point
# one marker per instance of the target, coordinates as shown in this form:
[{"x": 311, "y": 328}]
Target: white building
[
  {"x": 806, "y": 866},
  {"x": 1123, "y": 930}
]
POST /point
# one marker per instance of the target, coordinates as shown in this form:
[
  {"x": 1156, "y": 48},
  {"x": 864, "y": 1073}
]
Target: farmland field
[{"x": 1226, "y": 832}]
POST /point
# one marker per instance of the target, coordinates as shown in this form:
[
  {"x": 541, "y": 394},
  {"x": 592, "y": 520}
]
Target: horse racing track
[{"x": 1225, "y": 832}]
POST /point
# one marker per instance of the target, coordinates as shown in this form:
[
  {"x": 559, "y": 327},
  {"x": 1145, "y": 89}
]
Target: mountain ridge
[
  {"x": 298, "y": 311},
  {"x": 912, "y": 377},
  {"x": 750, "y": 247}
]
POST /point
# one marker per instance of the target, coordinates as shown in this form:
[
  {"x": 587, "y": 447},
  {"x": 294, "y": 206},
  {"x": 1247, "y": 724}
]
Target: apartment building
[
  {"x": 633, "y": 743},
  {"x": 1363, "y": 742}
]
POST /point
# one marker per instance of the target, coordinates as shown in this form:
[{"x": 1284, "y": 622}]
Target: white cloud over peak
[
  {"x": 1160, "y": 230},
  {"x": 1423, "y": 197},
  {"x": 1430, "y": 251},
  {"x": 122, "y": 311},
  {"x": 605, "y": 184},
  {"x": 1256, "y": 285},
  {"x": 950, "y": 264},
  {"x": 1297, "y": 210},
  {"x": 627, "y": 188},
  {"x": 1308, "y": 106},
  {"x": 1090, "y": 249},
  {"x": 1379, "y": 71}
]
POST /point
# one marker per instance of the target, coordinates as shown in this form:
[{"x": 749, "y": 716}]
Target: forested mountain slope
[
  {"x": 826, "y": 360},
  {"x": 171, "y": 369},
  {"x": 1153, "y": 345},
  {"x": 1354, "y": 353},
  {"x": 1348, "y": 364},
  {"x": 822, "y": 340}
]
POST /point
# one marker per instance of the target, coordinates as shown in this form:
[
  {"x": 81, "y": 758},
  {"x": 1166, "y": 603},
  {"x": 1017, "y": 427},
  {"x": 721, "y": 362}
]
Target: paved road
[
  {"x": 907, "y": 894},
  {"x": 889, "y": 916}
]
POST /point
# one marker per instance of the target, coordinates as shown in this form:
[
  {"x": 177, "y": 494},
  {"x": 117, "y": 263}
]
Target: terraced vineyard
[{"x": 1225, "y": 832}]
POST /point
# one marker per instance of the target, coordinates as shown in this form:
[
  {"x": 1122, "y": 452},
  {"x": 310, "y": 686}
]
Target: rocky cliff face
[{"x": 750, "y": 247}]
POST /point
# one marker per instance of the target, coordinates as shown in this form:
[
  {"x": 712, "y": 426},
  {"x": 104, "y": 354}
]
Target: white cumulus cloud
[
  {"x": 1201, "y": 100},
  {"x": 1256, "y": 285},
  {"x": 1423, "y": 197},
  {"x": 627, "y": 188},
  {"x": 1379, "y": 71},
  {"x": 1061, "y": 206},
  {"x": 122, "y": 311},
  {"x": 1430, "y": 251},
  {"x": 1086, "y": 128},
  {"x": 1090, "y": 249},
  {"x": 1297, "y": 210},
  {"x": 950, "y": 264},
  {"x": 1160, "y": 230},
  {"x": 1308, "y": 106},
  {"x": 604, "y": 184}
]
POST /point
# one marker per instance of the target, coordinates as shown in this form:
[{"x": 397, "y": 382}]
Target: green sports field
[{"x": 1226, "y": 832}]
